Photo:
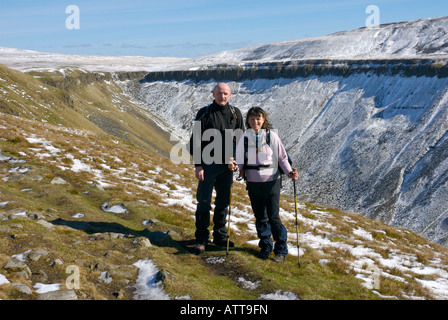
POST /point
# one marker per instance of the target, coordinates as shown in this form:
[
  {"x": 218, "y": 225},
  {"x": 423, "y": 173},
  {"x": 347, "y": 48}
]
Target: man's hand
[
  {"x": 199, "y": 173},
  {"x": 232, "y": 165}
]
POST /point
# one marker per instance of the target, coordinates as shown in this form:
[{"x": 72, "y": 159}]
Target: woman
[{"x": 259, "y": 155}]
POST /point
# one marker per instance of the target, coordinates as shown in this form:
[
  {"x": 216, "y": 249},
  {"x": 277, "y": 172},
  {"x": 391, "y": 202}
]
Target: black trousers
[
  {"x": 265, "y": 201},
  {"x": 216, "y": 176}
]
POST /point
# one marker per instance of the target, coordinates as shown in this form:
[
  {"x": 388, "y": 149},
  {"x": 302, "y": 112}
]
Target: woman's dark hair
[{"x": 255, "y": 112}]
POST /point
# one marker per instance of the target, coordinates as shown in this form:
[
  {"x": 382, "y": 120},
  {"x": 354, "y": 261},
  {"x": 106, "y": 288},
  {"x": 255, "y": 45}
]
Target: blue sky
[{"x": 188, "y": 28}]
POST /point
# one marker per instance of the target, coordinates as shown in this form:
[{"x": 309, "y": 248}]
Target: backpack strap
[
  {"x": 234, "y": 147},
  {"x": 246, "y": 147},
  {"x": 232, "y": 109},
  {"x": 205, "y": 114}
]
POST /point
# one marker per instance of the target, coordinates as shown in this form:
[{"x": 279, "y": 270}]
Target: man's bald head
[{"x": 222, "y": 93}]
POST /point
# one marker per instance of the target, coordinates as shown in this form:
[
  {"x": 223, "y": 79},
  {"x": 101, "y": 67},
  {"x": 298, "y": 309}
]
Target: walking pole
[
  {"x": 230, "y": 212},
  {"x": 230, "y": 197},
  {"x": 297, "y": 221}
]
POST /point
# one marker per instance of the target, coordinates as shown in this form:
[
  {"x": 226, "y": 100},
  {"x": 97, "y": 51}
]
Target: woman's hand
[{"x": 294, "y": 175}]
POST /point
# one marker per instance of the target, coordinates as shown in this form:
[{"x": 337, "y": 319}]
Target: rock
[
  {"x": 123, "y": 271},
  {"x": 26, "y": 177},
  {"x": 59, "y": 295},
  {"x": 3, "y": 204},
  {"x": 17, "y": 213},
  {"x": 119, "y": 294},
  {"x": 147, "y": 223},
  {"x": 136, "y": 203},
  {"x": 102, "y": 266},
  {"x": 36, "y": 255},
  {"x": 160, "y": 238},
  {"x": 5, "y": 229},
  {"x": 56, "y": 262},
  {"x": 94, "y": 185},
  {"x": 118, "y": 208},
  {"x": 105, "y": 276},
  {"x": 324, "y": 262},
  {"x": 145, "y": 243},
  {"x": 4, "y": 158},
  {"x": 78, "y": 215},
  {"x": 25, "y": 275},
  {"x": 23, "y": 288},
  {"x": 162, "y": 275},
  {"x": 335, "y": 237},
  {"x": 18, "y": 235},
  {"x": 46, "y": 224},
  {"x": 107, "y": 236},
  {"x": 40, "y": 276},
  {"x": 172, "y": 233},
  {"x": 17, "y": 266},
  {"x": 150, "y": 222},
  {"x": 116, "y": 235},
  {"x": 36, "y": 215},
  {"x": 58, "y": 180}
]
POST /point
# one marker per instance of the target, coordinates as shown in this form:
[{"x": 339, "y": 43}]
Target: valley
[{"x": 92, "y": 208}]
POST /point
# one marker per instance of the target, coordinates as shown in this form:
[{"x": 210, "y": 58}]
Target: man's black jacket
[{"x": 217, "y": 117}]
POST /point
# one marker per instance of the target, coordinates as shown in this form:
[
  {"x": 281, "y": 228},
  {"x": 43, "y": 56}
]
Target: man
[{"x": 220, "y": 116}]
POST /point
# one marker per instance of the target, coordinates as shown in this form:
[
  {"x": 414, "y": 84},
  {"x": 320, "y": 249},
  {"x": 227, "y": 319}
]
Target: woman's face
[{"x": 256, "y": 122}]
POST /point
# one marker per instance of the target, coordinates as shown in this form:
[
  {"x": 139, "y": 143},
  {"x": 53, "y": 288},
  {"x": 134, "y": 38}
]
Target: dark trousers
[
  {"x": 221, "y": 178},
  {"x": 265, "y": 200}
]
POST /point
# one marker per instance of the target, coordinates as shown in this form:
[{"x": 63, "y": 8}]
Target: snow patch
[
  {"x": 146, "y": 287},
  {"x": 44, "y": 288},
  {"x": 3, "y": 280},
  {"x": 279, "y": 295}
]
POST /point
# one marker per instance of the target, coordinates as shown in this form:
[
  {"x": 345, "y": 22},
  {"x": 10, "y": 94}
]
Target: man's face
[{"x": 222, "y": 94}]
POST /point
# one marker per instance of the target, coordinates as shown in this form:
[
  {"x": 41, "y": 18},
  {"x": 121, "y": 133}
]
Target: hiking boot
[
  {"x": 199, "y": 248},
  {"x": 264, "y": 254},
  {"x": 223, "y": 243},
  {"x": 279, "y": 258}
]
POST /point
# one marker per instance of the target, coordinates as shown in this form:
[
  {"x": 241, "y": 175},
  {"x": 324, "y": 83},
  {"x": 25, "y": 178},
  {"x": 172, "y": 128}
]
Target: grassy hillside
[
  {"x": 58, "y": 180},
  {"x": 76, "y": 99}
]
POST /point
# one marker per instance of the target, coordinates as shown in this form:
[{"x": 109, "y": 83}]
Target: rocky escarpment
[{"x": 305, "y": 68}]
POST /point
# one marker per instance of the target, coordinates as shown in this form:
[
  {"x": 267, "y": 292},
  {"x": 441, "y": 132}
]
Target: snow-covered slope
[
  {"x": 27, "y": 60},
  {"x": 411, "y": 39}
]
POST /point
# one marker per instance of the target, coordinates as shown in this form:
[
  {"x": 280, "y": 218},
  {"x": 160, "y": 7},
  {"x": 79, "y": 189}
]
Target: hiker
[
  {"x": 260, "y": 165},
  {"x": 219, "y": 115}
]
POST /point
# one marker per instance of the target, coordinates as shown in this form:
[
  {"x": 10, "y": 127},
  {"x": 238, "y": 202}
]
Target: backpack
[{"x": 268, "y": 141}]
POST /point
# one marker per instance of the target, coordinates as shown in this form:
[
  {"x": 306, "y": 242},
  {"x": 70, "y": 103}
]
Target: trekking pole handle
[
  {"x": 294, "y": 172},
  {"x": 231, "y": 160}
]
